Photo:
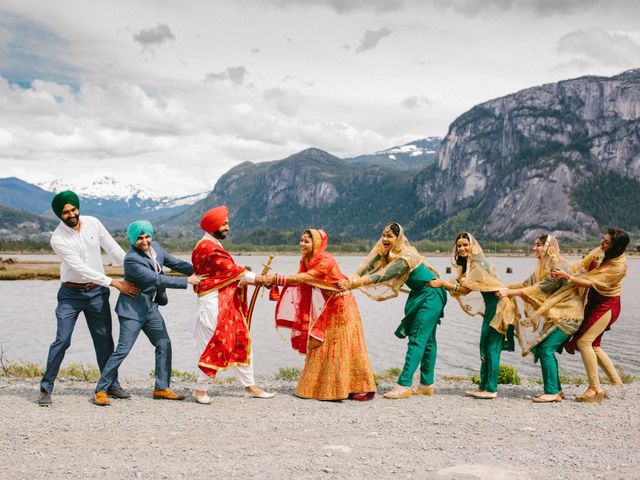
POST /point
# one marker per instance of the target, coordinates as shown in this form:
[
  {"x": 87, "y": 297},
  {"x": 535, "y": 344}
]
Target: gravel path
[{"x": 444, "y": 437}]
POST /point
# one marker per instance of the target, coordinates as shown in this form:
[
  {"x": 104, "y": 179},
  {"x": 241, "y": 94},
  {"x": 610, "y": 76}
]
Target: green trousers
[
  {"x": 422, "y": 348},
  {"x": 423, "y": 311},
  {"x": 492, "y": 343},
  {"x": 490, "y": 348},
  {"x": 545, "y": 351}
]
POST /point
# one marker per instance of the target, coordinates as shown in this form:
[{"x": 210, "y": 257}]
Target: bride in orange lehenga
[{"x": 325, "y": 326}]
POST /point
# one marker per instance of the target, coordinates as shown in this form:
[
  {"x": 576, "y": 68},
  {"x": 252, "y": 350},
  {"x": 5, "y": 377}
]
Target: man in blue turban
[
  {"x": 84, "y": 288},
  {"x": 143, "y": 265}
]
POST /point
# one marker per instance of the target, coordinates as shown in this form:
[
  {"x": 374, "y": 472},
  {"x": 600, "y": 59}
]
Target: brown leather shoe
[
  {"x": 100, "y": 399},
  {"x": 166, "y": 394},
  {"x": 44, "y": 398}
]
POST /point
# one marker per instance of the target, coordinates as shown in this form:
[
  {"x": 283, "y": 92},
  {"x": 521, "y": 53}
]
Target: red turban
[{"x": 214, "y": 218}]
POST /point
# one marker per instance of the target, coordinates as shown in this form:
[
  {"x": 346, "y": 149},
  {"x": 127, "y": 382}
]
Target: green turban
[
  {"x": 136, "y": 228},
  {"x": 61, "y": 199}
]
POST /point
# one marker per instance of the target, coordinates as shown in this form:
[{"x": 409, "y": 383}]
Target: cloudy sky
[{"x": 171, "y": 94}]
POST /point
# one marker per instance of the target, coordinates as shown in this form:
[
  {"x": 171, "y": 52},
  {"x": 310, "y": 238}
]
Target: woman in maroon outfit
[{"x": 601, "y": 272}]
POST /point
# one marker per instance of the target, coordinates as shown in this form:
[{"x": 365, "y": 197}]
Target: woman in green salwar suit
[
  {"x": 553, "y": 312},
  {"x": 392, "y": 263},
  {"x": 475, "y": 273}
]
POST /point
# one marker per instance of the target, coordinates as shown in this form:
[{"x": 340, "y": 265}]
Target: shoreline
[
  {"x": 32, "y": 269},
  {"x": 442, "y": 437}
]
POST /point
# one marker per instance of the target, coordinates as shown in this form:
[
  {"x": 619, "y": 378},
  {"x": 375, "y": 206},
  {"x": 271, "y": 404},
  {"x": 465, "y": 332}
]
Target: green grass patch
[
  {"x": 288, "y": 373},
  {"x": 182, "y": 375},
  {"x": 25, "y": 370},
  {"x": 507, "y": 375},
  {"x": 455, "y": 378},
  {"x": 571, "y": 379},
  {"x": 625, "y": 377},
  {"x": 389, "y": 374}
]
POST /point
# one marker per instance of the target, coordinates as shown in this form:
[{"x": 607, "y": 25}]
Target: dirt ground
[{"x": 444, "y": 437}]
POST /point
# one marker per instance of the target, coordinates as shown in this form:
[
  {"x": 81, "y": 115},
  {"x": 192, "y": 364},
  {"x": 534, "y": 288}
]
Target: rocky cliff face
[
  {"x": 309, "y": 189},
  {"x": 515, "y": 161}
]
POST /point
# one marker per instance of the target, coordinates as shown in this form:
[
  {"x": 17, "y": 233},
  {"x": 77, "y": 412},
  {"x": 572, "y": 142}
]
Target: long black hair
[
  {"x": 619, "y": 242},
  {"x": 462, "y": 262},
  {"x": 394, "y": 227}
]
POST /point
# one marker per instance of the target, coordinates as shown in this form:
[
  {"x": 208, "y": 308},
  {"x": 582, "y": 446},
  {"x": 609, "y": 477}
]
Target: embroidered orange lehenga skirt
[{"x": 339, "y": 365}]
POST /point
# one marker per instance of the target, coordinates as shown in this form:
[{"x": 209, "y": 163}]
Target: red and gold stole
[
  {"x": 230, "y": 344},
  {"x": 304, "y": 306}
]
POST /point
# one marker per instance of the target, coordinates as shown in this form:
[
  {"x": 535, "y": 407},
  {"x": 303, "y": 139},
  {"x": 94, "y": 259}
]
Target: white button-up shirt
[{"x": 80, "y": 252}]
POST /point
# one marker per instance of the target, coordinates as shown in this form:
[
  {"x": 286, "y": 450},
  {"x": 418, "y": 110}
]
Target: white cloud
[
  {"x": 154, "y": 36},
  {"x": 371, "y": 39},
  {"x": 235, "y": 75},
  {"x": 287, "y": 100},
  {"x": 415, "y": 102},
  {"x": 604, "y": 47},
  {"x": 344, "y": 6},
  {"x": 544, "y": 8}
]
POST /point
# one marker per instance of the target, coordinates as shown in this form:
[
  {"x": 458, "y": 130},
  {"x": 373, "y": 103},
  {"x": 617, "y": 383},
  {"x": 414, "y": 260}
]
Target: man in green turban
[
  {"x": 84, "y": 287},
  {"x": 63, "y": 198}
]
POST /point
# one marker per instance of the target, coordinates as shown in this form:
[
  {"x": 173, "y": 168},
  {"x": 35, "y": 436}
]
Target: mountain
[
  {"x": 410, "y": 156},
  {"x": 18, "y": 194},
  {"x": 309, "y": 189},
  {"x": 116, "y": 204},
  {"x": 18, "y": 224},
  {"x": 562, "y": 157}
]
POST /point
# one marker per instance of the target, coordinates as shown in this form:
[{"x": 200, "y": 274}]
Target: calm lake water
[{"x": 28, "y": 326}]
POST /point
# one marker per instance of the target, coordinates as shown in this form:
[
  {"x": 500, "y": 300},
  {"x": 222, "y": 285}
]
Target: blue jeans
[
  {"x": 156, "y": 331},
  {"x": 94, "y": 304}
]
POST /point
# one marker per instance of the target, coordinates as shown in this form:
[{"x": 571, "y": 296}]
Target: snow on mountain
[
  {"x": 425, "y": 146},
  {"x": 105, "y": 187},
  {"x": 108, "y": 188}
]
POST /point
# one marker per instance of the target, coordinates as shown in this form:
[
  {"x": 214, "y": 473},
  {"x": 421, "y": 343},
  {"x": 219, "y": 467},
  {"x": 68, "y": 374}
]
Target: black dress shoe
[
  {"x": 44, "y": 399},
  {"x": 119, "y": 393}
]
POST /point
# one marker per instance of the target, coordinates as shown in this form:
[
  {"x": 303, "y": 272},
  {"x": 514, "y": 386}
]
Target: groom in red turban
[{"x": 220, "y": 325}]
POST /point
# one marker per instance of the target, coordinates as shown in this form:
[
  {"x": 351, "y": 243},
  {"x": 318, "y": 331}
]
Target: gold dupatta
[
  {"x": 607, "y": 276},
  {"x": 480, "y": 276},
  {"x": 378, "y": 261},
  {"x": 546, "y": 305}
]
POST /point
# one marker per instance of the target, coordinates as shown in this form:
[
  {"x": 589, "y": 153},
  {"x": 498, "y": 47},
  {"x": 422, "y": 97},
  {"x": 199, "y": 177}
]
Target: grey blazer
[{"x": 139, "y": 269}]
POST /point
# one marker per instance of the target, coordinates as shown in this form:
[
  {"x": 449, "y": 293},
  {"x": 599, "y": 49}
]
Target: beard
[
  {"x": 72, "y": 222},
  {"x": 219, "y": 235}
]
